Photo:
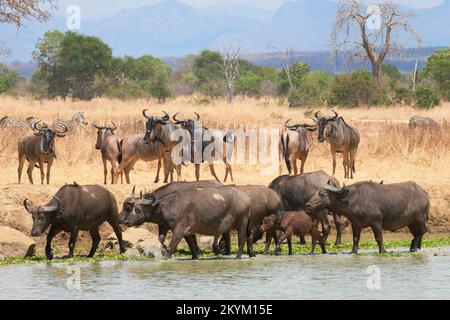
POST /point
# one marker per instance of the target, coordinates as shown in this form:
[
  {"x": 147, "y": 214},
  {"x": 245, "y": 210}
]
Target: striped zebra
[
  {"x": 422, "y": 122},
  {"x": 6, "y": 122},
  {"x": 77, "y": 121}
]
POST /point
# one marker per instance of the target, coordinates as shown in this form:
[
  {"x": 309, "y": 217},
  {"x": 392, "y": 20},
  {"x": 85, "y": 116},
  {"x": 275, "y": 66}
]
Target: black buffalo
[
  {"x": 74, "y": 208},
  {"x": 379, "y": 206},
  {"x": 206, "y": 210},
  {"x": 295, "y": 192}
]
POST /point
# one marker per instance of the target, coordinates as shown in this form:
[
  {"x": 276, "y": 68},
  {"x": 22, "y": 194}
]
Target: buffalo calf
[{"x": 292, "y": 223}]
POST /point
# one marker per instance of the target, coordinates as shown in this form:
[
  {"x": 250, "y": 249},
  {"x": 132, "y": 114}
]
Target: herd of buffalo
[{"x": 298, "y": 204}]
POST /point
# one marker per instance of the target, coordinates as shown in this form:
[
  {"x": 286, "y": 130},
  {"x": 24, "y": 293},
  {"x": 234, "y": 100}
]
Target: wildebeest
[
  {"x": 379, "y": 206},
  {"x": 209, "y": 211},
  {"x": 109, "y": 145},
  {"x": 220, "y": 149},
  {"x": 295, "y": 192},
  {"x": 76, "y": 208},
  {"x": 422, "y": 122},
  {"x": 76, "y": 122},
  {"x": 134, "y": 148},
  {"x": 294, "y": 145},
  {"x": 342, "y": 139},
  {"x": 39, "y": 148},
  {"x": 162, "y": 129},
  {"x": 291, "y": 223}
]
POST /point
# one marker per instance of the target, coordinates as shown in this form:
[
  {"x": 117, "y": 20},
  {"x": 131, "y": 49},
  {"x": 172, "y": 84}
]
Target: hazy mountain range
[{"x": 173, "y": 29}]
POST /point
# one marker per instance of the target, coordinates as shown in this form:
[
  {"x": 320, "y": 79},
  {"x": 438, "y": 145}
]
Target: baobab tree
[
  {"x": 230, "y": 67},
  {"x": 370, "y": 32},
  {"x": 16, "y": 11}
]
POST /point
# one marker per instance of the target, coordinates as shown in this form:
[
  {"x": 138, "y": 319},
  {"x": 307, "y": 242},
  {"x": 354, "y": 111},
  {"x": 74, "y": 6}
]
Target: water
[{"x": 297, "y": 277}]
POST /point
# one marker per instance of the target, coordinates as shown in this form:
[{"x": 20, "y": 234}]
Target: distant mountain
[{"x": 174, "y": 29}]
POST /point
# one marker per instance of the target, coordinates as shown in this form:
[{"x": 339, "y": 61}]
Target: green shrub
[
  {"x": 426, "y": 98},
  {"x": 403, "y": 96},
  {"x": 356, "y": 89},
  {"x": 313, "y": 91}
]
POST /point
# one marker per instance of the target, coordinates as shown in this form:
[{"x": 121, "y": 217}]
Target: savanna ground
[{"x": 389, "y": 150}]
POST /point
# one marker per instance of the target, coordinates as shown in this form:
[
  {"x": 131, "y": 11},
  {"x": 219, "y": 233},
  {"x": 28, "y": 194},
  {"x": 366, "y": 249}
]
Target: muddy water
[{"x": 298, "y": 277}]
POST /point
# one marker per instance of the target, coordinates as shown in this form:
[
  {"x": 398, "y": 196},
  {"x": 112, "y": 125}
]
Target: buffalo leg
[
  {"x": 302, "y": 241},
  {"x": 325, "y": 226},
  {"x": 242, "y": 237},
  {"x": 41, "y": 169},
  {"x": 48, "y": 246},
  {"x": 49, "y": 166},
  {"x": 19, "y": 170},
  {"x": 176, "y": 238},
  {"x": 289, "y": 241},
  {"x": 356, "y": 237},
  {"x": 192, "y": 243},
  {"x": 118, "y": 231},
  {"x": 72, "y": 240},
  {"x": 227, "y": 241},
  {"x": 338, "y": 223},
  {"x": 30, "y": 171},
  {"x": 269, "y": 236},
  {"x": 418, "y": 233},
  {"x": 250, "y": 251},
  {"x": 378, "y": 233},
  {"x": 283, "y": 237},
  {"x": 162, "y": 233},
  {"x": 95, "y": 235}
]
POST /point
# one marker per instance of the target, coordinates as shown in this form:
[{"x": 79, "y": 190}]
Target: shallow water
[{"x": 297, "y": 277}]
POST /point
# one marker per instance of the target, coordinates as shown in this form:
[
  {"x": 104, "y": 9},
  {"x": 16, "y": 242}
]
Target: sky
[{"x": 101, "y": 8}]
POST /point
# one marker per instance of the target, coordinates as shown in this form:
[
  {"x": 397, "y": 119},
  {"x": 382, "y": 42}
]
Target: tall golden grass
[{"x": 389, "y": 150}]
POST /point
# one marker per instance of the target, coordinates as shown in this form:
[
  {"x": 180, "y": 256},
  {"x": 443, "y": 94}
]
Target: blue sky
[{"x": 100, "y": 8}]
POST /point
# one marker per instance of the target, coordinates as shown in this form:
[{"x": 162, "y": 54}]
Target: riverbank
[{"x": 396, "y": 247}]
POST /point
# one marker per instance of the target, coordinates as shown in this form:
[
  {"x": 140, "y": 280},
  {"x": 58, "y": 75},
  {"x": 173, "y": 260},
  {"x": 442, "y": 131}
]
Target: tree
[
  {"x": 230, "y": 67},
  {"x": 48, "y": 56},
  {"x": 438, "y": 69},
  {"x": 72, "y": 64},
  {"x": 16, "y": 11},
  {"x": 209, "y": 76},
  {"x": 290, "y": 77},
  {"x": 370, "y": 32},
  {"x": 8, "y": 79}
]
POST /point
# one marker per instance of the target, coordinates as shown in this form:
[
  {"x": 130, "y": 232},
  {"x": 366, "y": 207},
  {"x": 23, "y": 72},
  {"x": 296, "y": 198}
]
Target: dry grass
[{"x": 389, "y": 151}]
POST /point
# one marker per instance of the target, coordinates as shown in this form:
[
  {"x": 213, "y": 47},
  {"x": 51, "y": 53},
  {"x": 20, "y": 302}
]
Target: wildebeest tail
[
  {"x": 119, "y": 145},
  {"x": 285, "y": 145}
]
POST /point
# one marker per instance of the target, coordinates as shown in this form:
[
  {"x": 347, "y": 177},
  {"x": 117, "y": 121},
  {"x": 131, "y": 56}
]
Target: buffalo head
[
  {"x": 43, "y": 216},
  {"x": 327, "y": 196},
  {"x": 269, "y": 223},
  {"x": 101, "y": 134},
  {"x": 48, "y": 135},
  {"x": 153, "y": 125},
  {"x": 321, "y": 122}
]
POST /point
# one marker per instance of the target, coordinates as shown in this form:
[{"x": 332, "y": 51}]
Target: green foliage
[
  {"x": 391, "y": 71},
  {"x": 70, "y": 63},
  {"x": 8, "y": 79},
  {"x": 298, "y": 71},
  {"x": 209, "y": 75},
  {"x": 426, "y": 98},
  {"x": 438, "y": 69},
  {"x": 356, "y": 89},
  {"x": 403, "y": 96},
  {"x": 314, "y": 90}
]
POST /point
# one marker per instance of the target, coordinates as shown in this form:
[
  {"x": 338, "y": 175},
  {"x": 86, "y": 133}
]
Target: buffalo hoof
[
  {"x": 353, "y": 252},
  {"x": 252, "y": 255},
  {"x": 50, "y": 256},
  {"x": 277, "y": 252}
]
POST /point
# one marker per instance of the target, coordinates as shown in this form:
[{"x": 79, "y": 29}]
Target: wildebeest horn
[
  {"x": 335, "y": 116},
  {"x": 175, "y": 117},
  {"x": 97, "y": 126},
  {"x": 34, "y": 126},
  {"x": 144, "y": 114},
  {"x": 133, "y": 191},
  {"x": 317, "y": 114},
  {"x": 286, "y": 123},
  {"x": 115, "y": 127},
  {"x": 198, "y": 116},
  {"x": 27, "y": 206},
  {"x": 166, "y": 116}
]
